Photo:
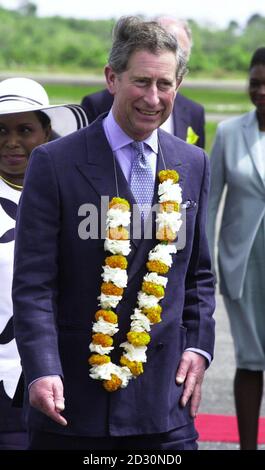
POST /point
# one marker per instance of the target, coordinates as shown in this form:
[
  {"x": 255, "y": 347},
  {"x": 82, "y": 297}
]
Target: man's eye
[
  {"x": 140, "y": 82},
  {"x": 164, "y": 86}
]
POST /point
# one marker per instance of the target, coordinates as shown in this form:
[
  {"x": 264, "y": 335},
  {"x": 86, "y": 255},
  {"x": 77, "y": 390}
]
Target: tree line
[{"x": 29, "y": 42}]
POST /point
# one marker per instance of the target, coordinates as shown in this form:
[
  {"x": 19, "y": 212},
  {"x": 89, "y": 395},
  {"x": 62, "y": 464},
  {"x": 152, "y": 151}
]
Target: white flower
[
  {"x": 107, "y": 301},
  {"x": 117, "y": 247},
  {"x": 169, "y": 191},
  {"x": 117, "y": 217},
  {"x": 134, "y": 353},
  {"x": 169, "y": 219},
  {"x": 140, "y": 322},
  {"x": 156, "y": 279},
  {"x": 162, "y": 253},
  {"x": 147, "y": 301},
  {"x": 118, "y": 276},
  {"x": 104, "y": 371},
  {"x": 97, "y": 348},
  {"x": 102, "y": 326}
]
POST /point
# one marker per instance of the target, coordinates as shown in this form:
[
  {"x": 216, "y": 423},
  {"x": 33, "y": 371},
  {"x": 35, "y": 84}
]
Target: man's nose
[{"x": 152, "y": 96}]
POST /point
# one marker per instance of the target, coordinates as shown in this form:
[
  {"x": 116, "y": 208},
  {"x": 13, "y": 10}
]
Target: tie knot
[{"x": 139, "y": 147}]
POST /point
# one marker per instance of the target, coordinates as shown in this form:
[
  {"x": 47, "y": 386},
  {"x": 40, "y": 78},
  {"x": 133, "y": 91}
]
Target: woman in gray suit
[{"x": 238, "y": 163}]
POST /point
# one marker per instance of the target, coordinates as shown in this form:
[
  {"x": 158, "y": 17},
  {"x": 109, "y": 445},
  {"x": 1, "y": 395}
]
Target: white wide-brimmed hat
[{"x": 20, "y": 95}]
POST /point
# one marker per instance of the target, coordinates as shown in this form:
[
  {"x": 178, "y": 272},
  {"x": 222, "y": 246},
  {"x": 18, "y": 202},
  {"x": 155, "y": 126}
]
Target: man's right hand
[{"x": 46, "y": 394}]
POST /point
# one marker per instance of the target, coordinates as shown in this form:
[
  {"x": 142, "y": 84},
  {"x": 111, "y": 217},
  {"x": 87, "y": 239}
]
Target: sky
[{"x": 216, "y": 12}]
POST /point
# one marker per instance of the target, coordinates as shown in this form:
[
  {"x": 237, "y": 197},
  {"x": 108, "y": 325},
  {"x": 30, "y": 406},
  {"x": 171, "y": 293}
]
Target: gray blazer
[{"x": 237, "y": 164}]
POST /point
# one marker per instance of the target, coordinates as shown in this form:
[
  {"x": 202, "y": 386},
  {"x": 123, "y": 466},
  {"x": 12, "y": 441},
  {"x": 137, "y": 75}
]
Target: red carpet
[{"x": 220, "y": 428}]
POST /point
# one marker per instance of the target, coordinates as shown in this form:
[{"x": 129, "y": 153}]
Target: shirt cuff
[
  {"x": 203, "y": 353},
  {"x": 42, "y": 377}
]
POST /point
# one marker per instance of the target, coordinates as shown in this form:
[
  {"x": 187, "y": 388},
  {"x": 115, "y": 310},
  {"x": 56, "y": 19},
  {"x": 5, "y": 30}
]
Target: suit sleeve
[
  {"x": 199, "y": 286},
  {"x": 35, "y": 269}
]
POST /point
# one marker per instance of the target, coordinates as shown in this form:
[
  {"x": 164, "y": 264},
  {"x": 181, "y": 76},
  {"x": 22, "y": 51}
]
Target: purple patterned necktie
[{"x": 142, "y": 180}]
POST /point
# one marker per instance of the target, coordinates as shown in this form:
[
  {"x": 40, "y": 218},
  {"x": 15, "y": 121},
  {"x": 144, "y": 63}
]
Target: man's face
[{"x": 144, "y": 94}]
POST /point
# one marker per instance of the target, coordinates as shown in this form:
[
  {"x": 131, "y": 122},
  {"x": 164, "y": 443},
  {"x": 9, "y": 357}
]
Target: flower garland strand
[{"x": 148, "y": 311}]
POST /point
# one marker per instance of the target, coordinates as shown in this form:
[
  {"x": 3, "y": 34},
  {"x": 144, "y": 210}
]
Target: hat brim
[{"x": 65, "y": 118}]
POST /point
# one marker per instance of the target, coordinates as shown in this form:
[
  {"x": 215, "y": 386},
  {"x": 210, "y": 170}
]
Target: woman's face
[
  {"x": 19, "y": 134},
  {"x": 256, "y": 87}
]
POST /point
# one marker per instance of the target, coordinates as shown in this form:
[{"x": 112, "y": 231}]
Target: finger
[
  {"x": 182, "y": 371},
  {"x": 49, "y": 409},
  {"x": 195, "y": 400},
  {"x": 58, "y": 397},
  {"x": 59, "y": 404},
  {"x": 188, "y": 389}
]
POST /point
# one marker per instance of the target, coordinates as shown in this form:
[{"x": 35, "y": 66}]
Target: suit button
[{"x": 159, "y": 346}]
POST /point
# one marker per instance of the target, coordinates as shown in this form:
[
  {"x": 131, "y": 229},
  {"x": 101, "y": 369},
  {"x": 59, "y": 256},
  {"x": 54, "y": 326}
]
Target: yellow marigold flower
[
  {"x": 116, "y": 261},
  {"x": 153, "y": 313},
  {"x": 153, "y": 289},
  {"x": 169, "y": 206},
  {"x": 102, "y": 339},
  {"x": 154, "y": 317},
  {"x": 138, "y": 338},
  {"x": 118, "y": 233},
  {"x": 165, "y": 234},
  {"x": 98, "y": 359},
  {"x": 156, "y": 309},
  {"x": 135, "y": 367},
  {"x": 108, "y": 288},
  {"x": 119, "y": 203},
  {"x": 157, "y": 267},
  {"x": 164, "y": 175},
  {"x": 107, "y": 315},
  {"x": 113, "y": 384}
]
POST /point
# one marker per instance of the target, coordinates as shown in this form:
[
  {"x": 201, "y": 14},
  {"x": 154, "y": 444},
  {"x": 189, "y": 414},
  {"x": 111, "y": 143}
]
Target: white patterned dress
[{"x": 10, "y": 368}]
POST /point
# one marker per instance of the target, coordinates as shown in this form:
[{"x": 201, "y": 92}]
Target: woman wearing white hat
[{"x": 26, "y": 120}]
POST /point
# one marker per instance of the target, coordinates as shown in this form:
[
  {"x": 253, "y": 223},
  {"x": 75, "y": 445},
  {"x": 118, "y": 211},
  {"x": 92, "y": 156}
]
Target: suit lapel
[
  {"x": 102, "y": 170},
  {"x": 250, "y": 133}
]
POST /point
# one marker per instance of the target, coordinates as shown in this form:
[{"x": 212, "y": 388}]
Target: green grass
[
  {"x": 220, "y": 101},
  {"x": 213, "y": 100},
  {"x": 69, "y": 93},
  {"x": 210, "y": 129}
]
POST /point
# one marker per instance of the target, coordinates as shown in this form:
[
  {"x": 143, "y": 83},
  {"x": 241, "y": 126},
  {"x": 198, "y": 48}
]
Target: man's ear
[
  {"x": 178, "y": 83},
  {"x": 111, "y": 78}
]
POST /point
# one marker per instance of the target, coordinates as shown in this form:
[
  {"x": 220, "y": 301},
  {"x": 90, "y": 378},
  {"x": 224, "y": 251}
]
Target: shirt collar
[{"x": 117, "y": 138}]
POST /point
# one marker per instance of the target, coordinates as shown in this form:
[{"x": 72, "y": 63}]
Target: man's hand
[
  {"x": 191, "y": 372},
  {"x": 46, "y": 394}
]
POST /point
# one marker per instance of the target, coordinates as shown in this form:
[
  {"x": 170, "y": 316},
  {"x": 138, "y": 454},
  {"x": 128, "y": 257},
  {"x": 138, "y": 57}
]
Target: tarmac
[{"x": 217, "y": 394}]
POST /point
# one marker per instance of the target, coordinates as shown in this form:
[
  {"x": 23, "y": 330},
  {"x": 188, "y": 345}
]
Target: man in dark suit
[
  {"x": 185, "y": 114},
  {"x": 74, "y": 351}
]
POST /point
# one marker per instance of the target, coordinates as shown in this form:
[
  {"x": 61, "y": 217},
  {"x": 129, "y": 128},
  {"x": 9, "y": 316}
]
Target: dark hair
[
  {"x": 43, "y": 118},
  {"x": 258, "y": 57},
  {"x": 133, "y": 34}
]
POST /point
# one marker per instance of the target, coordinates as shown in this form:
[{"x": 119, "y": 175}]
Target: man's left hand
[{"x": 191, "y": 372}]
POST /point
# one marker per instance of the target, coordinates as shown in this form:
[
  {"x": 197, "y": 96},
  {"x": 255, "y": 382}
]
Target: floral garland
[{"x": 148, "y": 311}]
